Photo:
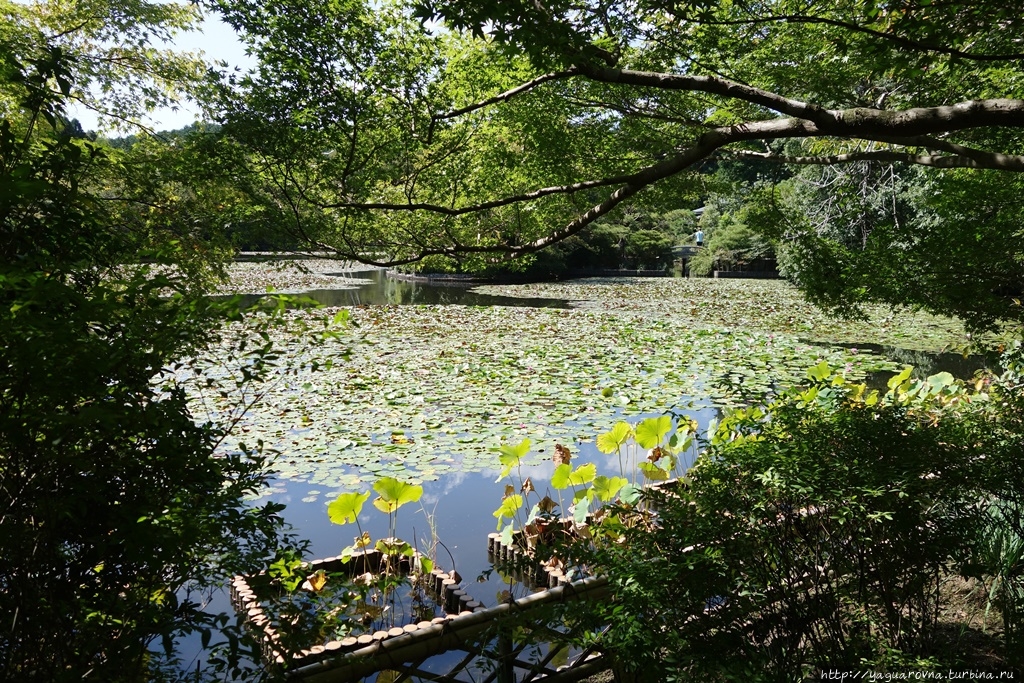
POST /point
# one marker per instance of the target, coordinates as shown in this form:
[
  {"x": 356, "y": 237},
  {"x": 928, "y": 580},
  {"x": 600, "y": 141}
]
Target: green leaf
[
  {"x": 581, "y": 510},
  {"x": 560, "y": 477},
  {"x": 652, "y": 471},
  {"x": 584, "y": 474},
  {"x": 394, "y": 546},
  {"x": 820, "y": 372},
  {"x": 651, "y": 431},
  {"x": 394, "y": 494},
  {"x": 508, "y": 508},
  {"x": 681, "y": 446},
  {"x": 605, "y": 488},
  {"x": 346, "y": 507},
  {"x": 629, "y": 494},
  {"x": 426, "y": 565},
  {"x": 938, "y": 382},
  {"x": 900, "y": 378},
  {"x": 610, "y": 442},
  {"x": 514, "y": 453},
  {"x": 346, "y": 553},
  {"x": 511, "y": 456}
]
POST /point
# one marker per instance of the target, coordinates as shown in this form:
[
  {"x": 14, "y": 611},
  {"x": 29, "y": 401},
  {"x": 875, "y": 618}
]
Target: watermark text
[{"x": 949, "y": 675}]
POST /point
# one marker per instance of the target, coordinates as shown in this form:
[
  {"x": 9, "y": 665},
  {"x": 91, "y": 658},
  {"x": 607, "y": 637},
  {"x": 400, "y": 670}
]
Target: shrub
[{"x": 812, "y": 532}]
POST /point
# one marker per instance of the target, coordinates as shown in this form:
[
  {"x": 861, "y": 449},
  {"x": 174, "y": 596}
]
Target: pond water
[
  {"x": 456, "y": 508},
  {"x": 459, "y": 504},
  {"x": 375, "y": 288},
  {"x": 926, "y": 364}
]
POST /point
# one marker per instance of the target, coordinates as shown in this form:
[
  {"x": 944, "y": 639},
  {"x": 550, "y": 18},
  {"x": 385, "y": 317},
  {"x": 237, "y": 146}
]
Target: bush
[{"x": 813, "y": 532}]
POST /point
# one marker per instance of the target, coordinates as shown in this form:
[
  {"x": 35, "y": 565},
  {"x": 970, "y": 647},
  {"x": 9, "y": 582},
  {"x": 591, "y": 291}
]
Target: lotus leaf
[
  {"x": 605, "y": 488},
  {"x": 509, "y": 507},
  {"x": 346, "y": 507},
  {"x": 651, "y": 431},
  {"x": 610, "y": 442},
  {"x": 394, "y": 494}
]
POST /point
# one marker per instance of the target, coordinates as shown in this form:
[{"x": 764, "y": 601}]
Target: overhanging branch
[
  {"x": 707, "y": 84},
  {"x": 482, "y": 206}
]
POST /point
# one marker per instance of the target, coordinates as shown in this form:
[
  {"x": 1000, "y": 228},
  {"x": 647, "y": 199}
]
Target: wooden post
[{"x": 506, "y": 660}]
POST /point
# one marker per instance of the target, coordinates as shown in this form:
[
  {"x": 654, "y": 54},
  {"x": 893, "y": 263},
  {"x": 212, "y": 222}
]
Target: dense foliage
[
  {"x": 820, "y": 531},
  {"x": 115, "y": 512},
  {"x": 893, "y": 233}
]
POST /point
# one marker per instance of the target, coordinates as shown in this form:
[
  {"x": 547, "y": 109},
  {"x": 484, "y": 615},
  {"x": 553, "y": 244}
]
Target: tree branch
[
  {"x": 507, "y": 95},
  {"x": 858, "y": 28},
  {"x": 639, "y": 113},
  {"x": 999, "y": 162},
  {"x": 707, "y": 84},
  {"x": 854, "y": 122},
  {"x": 483, "y": 206},
  {"x": 702, "y": 149}
]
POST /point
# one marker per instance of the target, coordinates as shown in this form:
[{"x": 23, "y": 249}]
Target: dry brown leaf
[
  {"x": 547, "y": 505},
  {"x": 656, "y": 454}
]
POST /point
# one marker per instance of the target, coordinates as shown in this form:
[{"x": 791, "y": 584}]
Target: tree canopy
[{"x": 391, "y": 132}]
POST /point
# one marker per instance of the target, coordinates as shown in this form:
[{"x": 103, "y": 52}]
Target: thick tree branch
[
  {"x": 985, "y": 159},
  {"x": 864, "y": 122},
  {"x": 704, "y": 147},
  {"x": 706, "y": 84},
  {"x": 853, "y": 122}
]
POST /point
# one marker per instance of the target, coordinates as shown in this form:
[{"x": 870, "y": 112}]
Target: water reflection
[
  {"x": 375, "y": 288},
  {"x": 455, "y": 510},
  {"x": 925, "y": 363}
]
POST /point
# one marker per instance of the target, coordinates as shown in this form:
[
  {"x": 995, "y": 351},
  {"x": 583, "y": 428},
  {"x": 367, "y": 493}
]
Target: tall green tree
[{"x": 109, "y": 59}]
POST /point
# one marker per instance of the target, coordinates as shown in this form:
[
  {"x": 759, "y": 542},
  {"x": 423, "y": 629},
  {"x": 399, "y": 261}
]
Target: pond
[
  {"x": 373, "y": 287},
  {"x": 432, "y": 378}
]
